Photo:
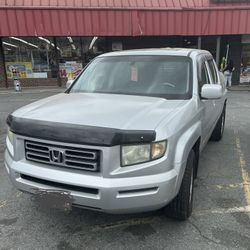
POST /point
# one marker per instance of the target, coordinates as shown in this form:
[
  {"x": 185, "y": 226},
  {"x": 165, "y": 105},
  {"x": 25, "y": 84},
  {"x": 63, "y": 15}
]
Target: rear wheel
[
  {"x": 181, "y": 207},
  {"x": 219, "y": 128}
]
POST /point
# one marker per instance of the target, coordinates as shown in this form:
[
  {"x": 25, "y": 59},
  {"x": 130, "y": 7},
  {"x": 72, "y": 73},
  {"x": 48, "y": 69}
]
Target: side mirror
[
  {"x": 69, "y": 83},
  {"x": 211, "y": 91}
]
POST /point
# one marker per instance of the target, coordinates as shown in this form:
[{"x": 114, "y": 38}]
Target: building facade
[{"x": 52, "y": 40}]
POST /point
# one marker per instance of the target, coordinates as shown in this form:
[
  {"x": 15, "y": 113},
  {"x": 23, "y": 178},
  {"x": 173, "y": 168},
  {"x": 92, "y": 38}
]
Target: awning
[{"x": 122, "y": 18}]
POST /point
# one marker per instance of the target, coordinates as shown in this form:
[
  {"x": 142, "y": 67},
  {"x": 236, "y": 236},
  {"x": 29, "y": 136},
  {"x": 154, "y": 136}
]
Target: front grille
[{"x": 69, "y": 157}]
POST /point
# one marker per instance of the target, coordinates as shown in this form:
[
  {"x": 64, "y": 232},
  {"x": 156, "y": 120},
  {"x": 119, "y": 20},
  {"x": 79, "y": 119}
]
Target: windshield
[{"x": 161, "y": 76}]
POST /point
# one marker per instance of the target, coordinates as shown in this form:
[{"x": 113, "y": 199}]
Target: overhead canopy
[{"x": 122, "y": 17}]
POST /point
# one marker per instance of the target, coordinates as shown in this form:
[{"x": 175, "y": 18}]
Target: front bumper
[{"x": 113, "y": 195}]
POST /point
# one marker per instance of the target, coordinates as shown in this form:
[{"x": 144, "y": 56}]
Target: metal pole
[
  {"x": 3, "y": 57},
  {"x": 47, "y": 57},
  {"x": 227, "y": 53},
  {"x": 82, "y": 54},
  {"x": 32, "y": 58},
  {"x": 59, "y": 82},
  {"x": 218, "y": 41},
  {"x": 199, "y": 42}
]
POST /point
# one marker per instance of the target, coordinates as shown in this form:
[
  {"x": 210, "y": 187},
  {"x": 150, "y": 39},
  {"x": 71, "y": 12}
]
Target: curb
[
  {"x": 33, "y": 91},
  {"x": 239, "y": 88}
]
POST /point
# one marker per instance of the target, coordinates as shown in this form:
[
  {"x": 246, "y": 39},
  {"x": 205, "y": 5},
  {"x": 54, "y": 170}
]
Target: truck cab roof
[{"x": 158, "y": 51}]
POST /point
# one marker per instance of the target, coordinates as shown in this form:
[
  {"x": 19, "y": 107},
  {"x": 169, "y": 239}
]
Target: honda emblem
[{"x": 56, "y": 156}]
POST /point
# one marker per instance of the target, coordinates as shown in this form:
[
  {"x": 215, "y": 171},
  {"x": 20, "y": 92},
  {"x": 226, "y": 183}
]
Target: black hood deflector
[{"x": 79, "y": 134}]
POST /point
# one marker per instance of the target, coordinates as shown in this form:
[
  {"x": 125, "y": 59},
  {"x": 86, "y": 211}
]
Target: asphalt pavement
[{"x": 221, "y": 213}]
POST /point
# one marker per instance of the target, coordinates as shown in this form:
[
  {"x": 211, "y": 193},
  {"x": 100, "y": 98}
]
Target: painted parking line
[
  {"x": 223, "y": 186},
  {"x": 229, "y": 186},
  {"x": 243, "y": 167},
  {"x": 158, "y": 218},
  {"x": 3, "y": 203},
  {"x": 125, "y": 223},
  {"x": 243, "y": 209},
  {"x": 155, "y": 218}
]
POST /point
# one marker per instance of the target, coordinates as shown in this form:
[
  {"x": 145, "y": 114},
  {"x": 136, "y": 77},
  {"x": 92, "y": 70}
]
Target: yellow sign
[{"x": 24, "y": 69}]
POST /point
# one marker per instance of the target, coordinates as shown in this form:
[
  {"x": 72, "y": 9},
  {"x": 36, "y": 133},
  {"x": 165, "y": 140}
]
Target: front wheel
[
  {"x": 219, "y": 128},
  {"x": 181, "y": 206}
]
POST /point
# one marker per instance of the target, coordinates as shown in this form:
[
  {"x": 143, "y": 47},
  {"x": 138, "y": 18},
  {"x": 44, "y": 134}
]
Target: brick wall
[
  {"x": 52, "y": 82},
  {"x": 33, "y": 82}
]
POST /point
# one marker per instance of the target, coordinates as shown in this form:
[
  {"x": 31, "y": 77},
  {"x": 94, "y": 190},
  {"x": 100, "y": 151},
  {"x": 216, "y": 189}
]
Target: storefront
[
  {"x": 43, "y": 57},
  {"x": 50, "y": 41},
  {"x": 245, "y": 62}
]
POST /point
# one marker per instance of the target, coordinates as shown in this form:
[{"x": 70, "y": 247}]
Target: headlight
[
  {"x": 135, "y": 154},
  {"x": 10, "y": 136}
]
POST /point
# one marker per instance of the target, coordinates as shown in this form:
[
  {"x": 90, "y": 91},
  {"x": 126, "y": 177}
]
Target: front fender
[{"x": 184, "y": 145}]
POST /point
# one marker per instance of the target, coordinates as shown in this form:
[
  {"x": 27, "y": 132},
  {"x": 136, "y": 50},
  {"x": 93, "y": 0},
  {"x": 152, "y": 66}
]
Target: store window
[
  {"x": 43, "y": 57},
  {"x": 76, "y": 52},
  {"x": 69, "y": 56},
  {"x": 33, "y": 57},
  {"x": 245, "y": 60}
]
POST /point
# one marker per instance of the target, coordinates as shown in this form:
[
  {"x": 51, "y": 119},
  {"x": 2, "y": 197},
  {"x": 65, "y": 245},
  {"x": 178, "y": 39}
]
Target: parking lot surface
[{"x": 221, "y": 213}]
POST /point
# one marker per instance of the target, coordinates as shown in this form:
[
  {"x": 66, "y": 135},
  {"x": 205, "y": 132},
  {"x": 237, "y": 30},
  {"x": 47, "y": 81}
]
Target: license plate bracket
[{"x": 56, "y": 199}]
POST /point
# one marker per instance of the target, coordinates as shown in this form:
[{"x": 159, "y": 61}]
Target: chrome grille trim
[
  {"x": 63, "y": 156},
  {"x": 81, "y": 154}
]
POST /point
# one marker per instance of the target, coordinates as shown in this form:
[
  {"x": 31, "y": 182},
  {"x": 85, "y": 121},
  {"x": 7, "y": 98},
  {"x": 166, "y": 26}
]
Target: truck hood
[{"x": 102, "y": 110}]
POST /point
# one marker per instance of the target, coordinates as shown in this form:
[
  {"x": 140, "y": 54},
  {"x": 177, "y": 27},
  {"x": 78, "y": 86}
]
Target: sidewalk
[
  {"x": 38, "y": 89},
  {"x": 241, "y": 87}
]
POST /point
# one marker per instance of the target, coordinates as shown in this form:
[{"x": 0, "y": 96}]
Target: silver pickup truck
[{"x": 125, "y": 136}]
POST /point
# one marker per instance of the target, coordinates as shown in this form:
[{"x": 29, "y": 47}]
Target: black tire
[
  {"x": 219, "y": 128},
  {"x": 181, "y": 206}
]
